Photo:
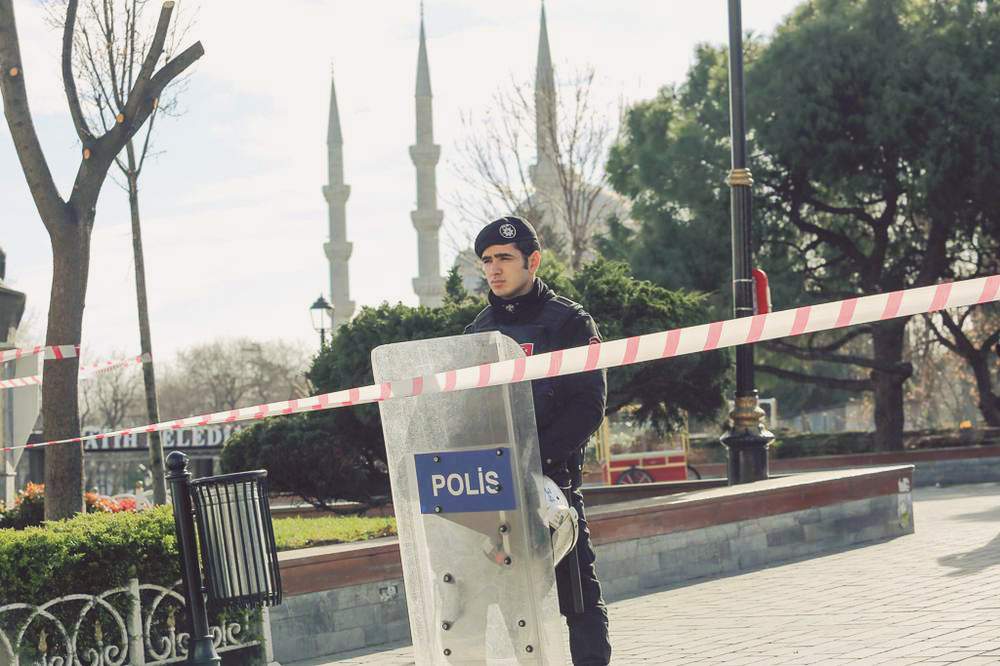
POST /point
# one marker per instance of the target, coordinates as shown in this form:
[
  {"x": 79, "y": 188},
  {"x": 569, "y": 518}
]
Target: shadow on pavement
[
  {"x": 987, "y": 516},
  {"x": 973, "y": 561}
]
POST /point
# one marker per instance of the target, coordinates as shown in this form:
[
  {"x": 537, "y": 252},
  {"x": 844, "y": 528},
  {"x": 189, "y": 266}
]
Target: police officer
[{"x": 567, "y": 409}]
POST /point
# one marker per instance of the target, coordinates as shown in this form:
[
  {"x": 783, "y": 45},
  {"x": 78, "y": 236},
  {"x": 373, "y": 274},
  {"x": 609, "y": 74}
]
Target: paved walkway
[{"x": 929, "y": 598}]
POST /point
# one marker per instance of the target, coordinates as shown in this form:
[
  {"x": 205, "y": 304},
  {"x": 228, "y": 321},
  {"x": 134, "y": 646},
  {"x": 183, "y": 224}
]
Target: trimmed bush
[
  {"x": 88, "y": 554},
  {"x": 306, "y": 455}
]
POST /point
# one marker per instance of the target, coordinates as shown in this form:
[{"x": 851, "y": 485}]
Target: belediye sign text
[{"x": 206, "y": 437}]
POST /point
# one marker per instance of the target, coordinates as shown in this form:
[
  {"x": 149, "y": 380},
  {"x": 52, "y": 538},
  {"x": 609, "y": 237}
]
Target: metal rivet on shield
[
  {"x": 437, "y": 458},
  {"x": 528, "y": 648},
  {"x": 437, "y": 509},
  {"x": 507, "y": 560},
  {"x": 447, "y": 652},
  {"x": 498, "y": 487},
  {"x": 522, "y": 623},
  {"x": 504, "y": 528},
  {"x": 499, "y": 452},
  {"x": 448, "y": 578},
  {"x": 446, "y": 625}
]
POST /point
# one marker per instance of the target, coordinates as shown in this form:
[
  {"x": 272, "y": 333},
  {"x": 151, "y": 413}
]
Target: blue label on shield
[{"x": 462, "y": 481}]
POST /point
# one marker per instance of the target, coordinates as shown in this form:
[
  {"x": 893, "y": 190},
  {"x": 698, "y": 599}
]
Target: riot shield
[{"x": 467, "y": 492}]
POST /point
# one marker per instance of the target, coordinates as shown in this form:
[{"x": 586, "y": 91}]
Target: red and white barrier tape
[
  {"x": 105, "y": 366},
  {"x": 614, "y": 353},
  {"x": 86, "y": 372},
  {"x": 19, "y": 382},
  {"x": 55, "y": 352}
]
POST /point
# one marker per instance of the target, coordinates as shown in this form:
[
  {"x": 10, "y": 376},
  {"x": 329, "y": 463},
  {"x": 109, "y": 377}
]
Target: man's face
[{"x": 507, "y": 272}]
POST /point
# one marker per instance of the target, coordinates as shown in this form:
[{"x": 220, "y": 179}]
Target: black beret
[{"x": 508, "y": 229}]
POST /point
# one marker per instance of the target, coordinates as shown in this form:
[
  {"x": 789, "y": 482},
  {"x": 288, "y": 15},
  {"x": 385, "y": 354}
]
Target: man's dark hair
[{"x": 526, "y": 247}]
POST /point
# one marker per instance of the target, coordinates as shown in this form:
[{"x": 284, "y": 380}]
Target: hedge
[{"x": 88, "y": 554}]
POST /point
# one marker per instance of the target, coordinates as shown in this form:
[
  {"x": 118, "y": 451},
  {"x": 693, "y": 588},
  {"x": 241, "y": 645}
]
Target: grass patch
[{"x": 292, "y": 533}]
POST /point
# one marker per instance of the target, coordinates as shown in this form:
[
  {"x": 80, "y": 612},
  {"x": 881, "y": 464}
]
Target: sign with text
[
  {"x": 206, "y": 437},
  {"x": 464, "y": 481}
]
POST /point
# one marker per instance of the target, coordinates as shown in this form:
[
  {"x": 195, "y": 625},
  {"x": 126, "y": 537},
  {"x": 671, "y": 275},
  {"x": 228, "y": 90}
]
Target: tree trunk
[
  {"x": 64, "y": 462},
  {"x": 887, "y": 342},
  {"x": 989, "y": 402},
  {"x": 154, "y": 440}
]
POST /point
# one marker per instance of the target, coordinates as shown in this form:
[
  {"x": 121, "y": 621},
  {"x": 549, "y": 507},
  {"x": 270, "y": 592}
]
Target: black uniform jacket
[{"x": 567, "y": 409}]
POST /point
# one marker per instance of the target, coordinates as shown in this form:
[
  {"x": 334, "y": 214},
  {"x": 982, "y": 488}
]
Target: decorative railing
[{"x": 133, "y": 625}]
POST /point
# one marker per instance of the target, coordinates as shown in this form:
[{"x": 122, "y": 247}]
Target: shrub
[
  {"x": 88, "y": 553},
  {"x": 303, "y": 454}
]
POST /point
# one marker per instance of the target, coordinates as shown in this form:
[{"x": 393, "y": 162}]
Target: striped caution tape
[
  {"x": 54, "y": 352},
  {"x": 615, "y": 353},
  {"x": 106, "y": 366},
  {"x": 20, "y": 382},
  {"x": 87, "y": 372}
]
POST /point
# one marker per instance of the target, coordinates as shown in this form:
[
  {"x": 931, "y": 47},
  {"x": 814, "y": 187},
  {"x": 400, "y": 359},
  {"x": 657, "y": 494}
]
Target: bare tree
[
  {"x": 230, "y": 373},
  {"x": 70, "y": 221},
  {"x": 110, "y": 398},
  {"x": 974, "y": 335},
  {"x": 941, "y": 393},
  {"x": 563, "y": 194},
  {"x": 111, "y": 39}
]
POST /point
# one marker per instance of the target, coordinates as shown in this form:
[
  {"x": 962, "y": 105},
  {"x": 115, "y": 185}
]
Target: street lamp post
[
  {"x": 322, "y": 315},
  {"x": 746, "y": 440}
]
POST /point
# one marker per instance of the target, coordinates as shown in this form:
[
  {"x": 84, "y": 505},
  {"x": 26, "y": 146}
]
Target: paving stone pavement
[{"x": 932, "y": 597}]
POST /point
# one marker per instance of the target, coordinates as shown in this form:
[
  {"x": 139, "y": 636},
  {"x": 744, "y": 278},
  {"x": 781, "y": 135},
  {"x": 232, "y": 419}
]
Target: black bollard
[{"x": 201, "y": 649}]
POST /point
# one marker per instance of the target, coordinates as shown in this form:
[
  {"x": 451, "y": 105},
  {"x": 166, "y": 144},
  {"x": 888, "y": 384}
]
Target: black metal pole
[
  {"x": 201, "y": 649},
  {"x": 747, "y": 440}
]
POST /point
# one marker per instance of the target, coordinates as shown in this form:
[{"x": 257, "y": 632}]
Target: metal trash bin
[{"x": 236, "y": 539}]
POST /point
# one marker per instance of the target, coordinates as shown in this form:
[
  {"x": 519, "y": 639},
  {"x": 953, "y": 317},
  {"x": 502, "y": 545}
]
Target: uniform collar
[{"x": 516, "y": 309}]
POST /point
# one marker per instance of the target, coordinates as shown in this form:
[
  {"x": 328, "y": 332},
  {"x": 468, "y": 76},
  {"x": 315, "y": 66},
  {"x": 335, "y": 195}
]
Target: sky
[{"x": 233, "y": 216}]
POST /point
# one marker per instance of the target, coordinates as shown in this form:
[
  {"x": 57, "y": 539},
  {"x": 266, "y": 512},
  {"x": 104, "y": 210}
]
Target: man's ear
[{"x": 534, "y": 261}]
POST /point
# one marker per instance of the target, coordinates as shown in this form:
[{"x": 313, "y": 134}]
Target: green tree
[
  {"x": 624, "y": 306},
  {"x": 304, "y": 454},
  {"x": 874, "y": 140},
  {"x": 672, "y": 164},
  {"x": 454, "y": 290}
]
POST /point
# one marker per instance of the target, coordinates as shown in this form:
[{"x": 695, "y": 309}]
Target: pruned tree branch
[
  {"x": 138, "y": 109},
  {"x": 22, "y": 128},
  {"x": 155, "y": 48},
  {"x": 69, "y": 81}
]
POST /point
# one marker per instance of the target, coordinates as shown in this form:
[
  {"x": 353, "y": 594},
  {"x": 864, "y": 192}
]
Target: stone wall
[
  {"x": 629, "y": 567},
  {"x": 339, "y": 620}
]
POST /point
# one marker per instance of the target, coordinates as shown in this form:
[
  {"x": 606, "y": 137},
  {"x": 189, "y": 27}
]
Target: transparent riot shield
[{"x": 467, "y": 492}]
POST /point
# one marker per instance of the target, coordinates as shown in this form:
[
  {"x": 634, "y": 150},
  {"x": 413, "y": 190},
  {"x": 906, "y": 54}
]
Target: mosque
[{"x": 545, "y": 176}]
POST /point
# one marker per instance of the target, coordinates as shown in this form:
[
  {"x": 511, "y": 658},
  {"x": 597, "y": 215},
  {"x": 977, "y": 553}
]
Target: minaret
[
  {"x": 428, "y": 285},
  {"x": 543, "y": 172},
  {"x": 337, "y": 249}
]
